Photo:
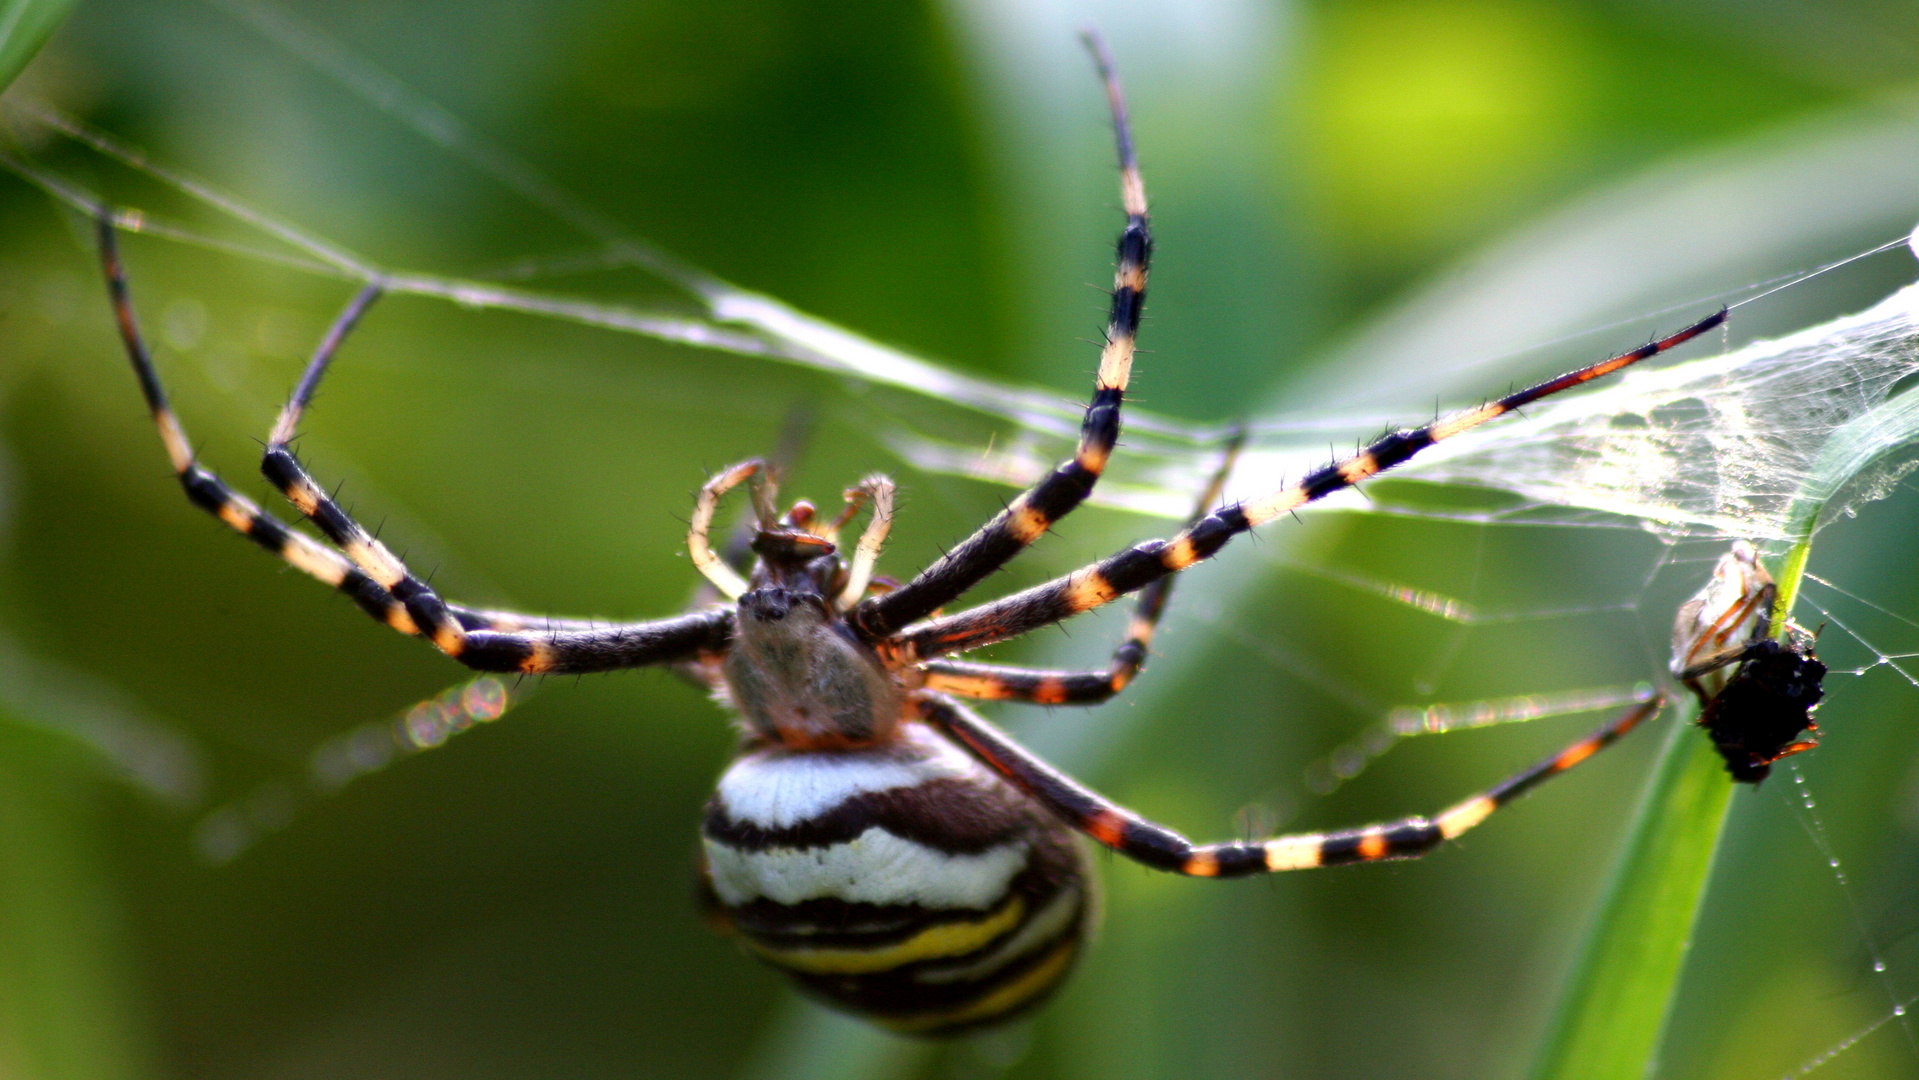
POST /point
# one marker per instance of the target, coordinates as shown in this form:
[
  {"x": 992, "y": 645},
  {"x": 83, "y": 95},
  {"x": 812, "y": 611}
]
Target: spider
[
  {"x": 1756, "y": 693},
  {"x": 874, "y": 838}
]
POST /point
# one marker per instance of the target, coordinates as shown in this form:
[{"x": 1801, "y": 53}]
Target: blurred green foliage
[
  {"x": 24, "y": 27},
  {"x": 1431, "y": 123},
  {"x": 937, "y": 176}
]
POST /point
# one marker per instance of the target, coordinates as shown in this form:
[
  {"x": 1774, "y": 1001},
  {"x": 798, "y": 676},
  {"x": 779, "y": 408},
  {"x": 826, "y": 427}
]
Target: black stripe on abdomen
[{"x": 931, "y": 967}]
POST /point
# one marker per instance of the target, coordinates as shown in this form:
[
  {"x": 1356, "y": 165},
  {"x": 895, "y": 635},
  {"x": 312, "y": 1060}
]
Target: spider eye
[{"x": 767, "y": 605}]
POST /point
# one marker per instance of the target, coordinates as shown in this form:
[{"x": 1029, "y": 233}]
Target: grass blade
[
  {"x": 25, "y": 25},
  {"x": 1616, "y": 1000}
]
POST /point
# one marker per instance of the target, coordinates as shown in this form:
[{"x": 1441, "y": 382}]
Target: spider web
[
  {"x": 1872, "y": 648},
  {"x": 1739, "y": 444},
  {"x": 1809, "y": 835},
  {"x": 1755, "y": 442}
]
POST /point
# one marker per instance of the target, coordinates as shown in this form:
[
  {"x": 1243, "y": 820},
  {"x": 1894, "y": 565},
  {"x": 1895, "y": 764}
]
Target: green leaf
[
  {"x": 67, "y": 1010},
  {"x": 25, "y": 25}
]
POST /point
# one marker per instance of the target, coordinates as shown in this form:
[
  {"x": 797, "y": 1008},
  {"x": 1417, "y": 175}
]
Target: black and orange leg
[
  {"x": 1028, "y": 517},
  {"x": 539, "y": 648},
  {"x": 423, "y": 606},
  {"x": 209, "y": 492},
  {"x": 1000, "y": 683},
  {"x": 213, "y": 495},
  {"x": 494, "y": 640},
  {"x": 1163, "y": 849},
  {"x": 1146, "y": 563}
]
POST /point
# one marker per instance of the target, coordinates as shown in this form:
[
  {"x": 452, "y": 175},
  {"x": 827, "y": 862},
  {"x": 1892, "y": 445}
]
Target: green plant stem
[
  {"x": 1792, "y": 570},
  {"x": 1615, "y": 1003},
  {"x": 1613, "y": 1009}
]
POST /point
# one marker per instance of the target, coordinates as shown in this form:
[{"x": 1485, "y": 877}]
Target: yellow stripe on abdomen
[
  {"x": 938, "y": 941},
  {"x": 1009, "y": 997}
]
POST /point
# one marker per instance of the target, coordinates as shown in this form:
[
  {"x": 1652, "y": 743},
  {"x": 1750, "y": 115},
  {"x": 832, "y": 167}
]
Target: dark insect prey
[{"x": 1756, "y": 692}]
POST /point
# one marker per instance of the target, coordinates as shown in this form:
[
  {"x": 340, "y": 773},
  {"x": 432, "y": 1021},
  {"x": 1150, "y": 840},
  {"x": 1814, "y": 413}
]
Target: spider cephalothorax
[
  {"x": 886, "y": 847},
  {"x": 796, "y": 672},
  {"x": 1756, "y": 692}
]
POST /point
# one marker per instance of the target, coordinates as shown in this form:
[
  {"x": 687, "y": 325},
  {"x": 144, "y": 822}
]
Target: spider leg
[
  {"x": 282, "y": 468},
  {"x": 491, "y": 640},
  {"x": 1001, "y": 683},
  {"x": 1723, "y": 658},
  {"x": 209, "y": 492},
  {"x": 1790, "y": 749},
  {"x": 543, "y": 651},
  {"x": 1143, "y": 564},
  {"x": 877, "y": 490},
  {"x": 996, "y": 682},
  {"x": 718, "y": 570},
  {"x": 1028, "y": 517},
  {"x": 1706, "y": 648},
  {"x": 1161, "y": 848}
]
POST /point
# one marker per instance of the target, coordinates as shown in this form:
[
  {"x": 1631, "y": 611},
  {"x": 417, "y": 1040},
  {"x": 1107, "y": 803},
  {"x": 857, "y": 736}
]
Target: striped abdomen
[{"x": 904, "y": 882}]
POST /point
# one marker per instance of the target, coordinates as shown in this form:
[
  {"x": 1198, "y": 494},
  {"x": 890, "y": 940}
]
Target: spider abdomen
[{"x": 903, "y": 881}]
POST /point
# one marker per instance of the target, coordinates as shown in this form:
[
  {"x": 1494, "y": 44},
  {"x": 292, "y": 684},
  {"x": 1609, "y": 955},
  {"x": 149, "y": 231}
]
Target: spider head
[
  {"x": 796, "y": 555},
  {"x": 798, "y": 550},
  {"x": 794, "y": 560}
]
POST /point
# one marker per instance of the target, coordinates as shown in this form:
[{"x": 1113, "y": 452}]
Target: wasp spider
[{"x": 875, "y": 839}]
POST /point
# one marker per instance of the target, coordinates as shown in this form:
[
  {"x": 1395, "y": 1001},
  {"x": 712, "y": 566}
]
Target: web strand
[
  {"x": 227, "y": 831},
  {"x": 1826, "y": 1057},
  {"x": 1800, "y": 800},
  {"x": 1806, "y": 809},
  {"x": 1567, "y": 457}
]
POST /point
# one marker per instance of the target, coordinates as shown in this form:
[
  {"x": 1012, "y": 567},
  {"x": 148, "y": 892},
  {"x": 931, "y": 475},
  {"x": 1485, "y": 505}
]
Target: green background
[{"x": 1352, "y": 202}]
